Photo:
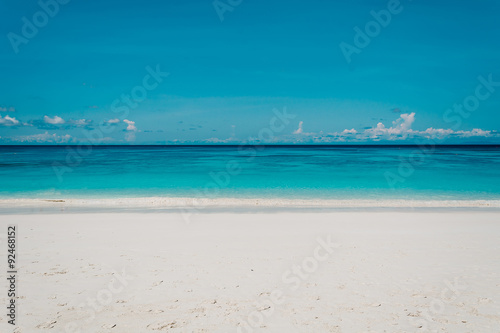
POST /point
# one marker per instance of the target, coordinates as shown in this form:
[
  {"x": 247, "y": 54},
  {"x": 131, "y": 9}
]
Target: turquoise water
[{"x": 330, "y": 172}]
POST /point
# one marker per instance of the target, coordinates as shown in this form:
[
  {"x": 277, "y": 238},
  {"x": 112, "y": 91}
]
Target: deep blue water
[{"x": 334, "y": 172}]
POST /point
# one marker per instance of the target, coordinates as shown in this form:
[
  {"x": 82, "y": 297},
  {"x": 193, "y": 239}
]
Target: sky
[{"x": 241, "y": 71}]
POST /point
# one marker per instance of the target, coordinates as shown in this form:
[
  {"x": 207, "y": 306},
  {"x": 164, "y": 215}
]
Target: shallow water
[{"x": 306, "y": 172}]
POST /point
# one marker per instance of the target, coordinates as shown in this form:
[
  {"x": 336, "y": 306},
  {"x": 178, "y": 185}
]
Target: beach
[
  {"x": 419, "y": 270},
  {"x": 232, "y": 166}
]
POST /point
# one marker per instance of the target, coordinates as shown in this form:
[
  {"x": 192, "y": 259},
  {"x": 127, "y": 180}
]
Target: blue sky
[{"x": 228, "y": 79}]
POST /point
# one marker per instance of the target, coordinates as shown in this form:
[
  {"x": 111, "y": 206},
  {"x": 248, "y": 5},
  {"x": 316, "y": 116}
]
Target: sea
[{"x": 426, "y": 172}]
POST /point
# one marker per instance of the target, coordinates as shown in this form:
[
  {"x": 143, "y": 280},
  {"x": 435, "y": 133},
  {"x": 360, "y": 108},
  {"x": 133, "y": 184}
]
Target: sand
[{"x": 368, "y": 271}]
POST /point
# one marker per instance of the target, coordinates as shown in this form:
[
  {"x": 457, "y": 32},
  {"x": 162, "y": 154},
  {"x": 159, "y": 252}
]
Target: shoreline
[{"x": 199, "y": 204}]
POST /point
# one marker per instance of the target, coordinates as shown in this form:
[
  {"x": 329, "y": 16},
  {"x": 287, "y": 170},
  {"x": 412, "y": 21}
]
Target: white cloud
[
  {"x": 474, "y": 132},
  {"x": 86, "y": 123},
  {"x": 43, "y": 138},
  {"x": 113, "y": 121},
  {"x": 434, "y": 133},
  {"x": 130, "y": 136},
  {"x": 400, "y": 128},
  {"x": 131, "y": 125},
  {"x": 80, "y": 122},
  {"x": 8, "y": 121},
  {"x": 299, "y": 130},
  {"x": 58, "y": 123},
  {"x": 53, "y": 121},
  {"x": 217, "y": 140},
  {"x": 404, "y": 122},
  {"x": 347, "y": 132}
]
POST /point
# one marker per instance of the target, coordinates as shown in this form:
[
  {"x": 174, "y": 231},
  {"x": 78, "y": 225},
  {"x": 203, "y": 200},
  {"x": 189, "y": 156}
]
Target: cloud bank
[
  {"x": 401, "y": 129},
  {"x": 41, "y": 138}
]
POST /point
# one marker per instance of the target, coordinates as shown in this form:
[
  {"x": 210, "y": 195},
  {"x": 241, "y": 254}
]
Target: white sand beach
[{"x": 421, "y": 271}]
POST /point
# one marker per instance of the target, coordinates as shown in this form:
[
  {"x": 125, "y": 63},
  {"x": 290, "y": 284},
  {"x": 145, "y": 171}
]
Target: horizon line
[{"x": 257, "y": 145}]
